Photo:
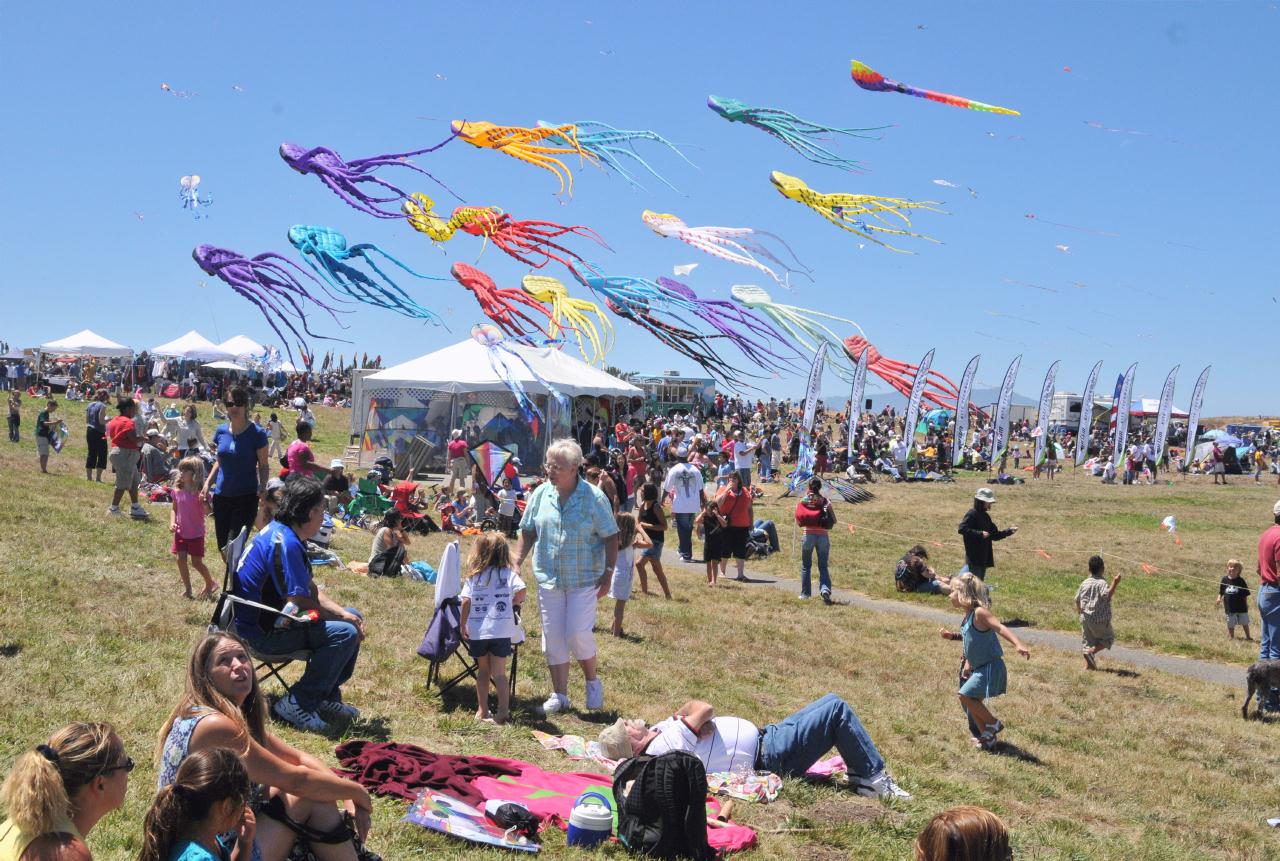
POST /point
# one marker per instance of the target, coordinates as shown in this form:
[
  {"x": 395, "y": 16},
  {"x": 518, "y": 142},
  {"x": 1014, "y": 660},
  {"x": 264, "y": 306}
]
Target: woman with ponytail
[
  {"x": 203, "y": 815},
  {"x": 57, "y": 792}
]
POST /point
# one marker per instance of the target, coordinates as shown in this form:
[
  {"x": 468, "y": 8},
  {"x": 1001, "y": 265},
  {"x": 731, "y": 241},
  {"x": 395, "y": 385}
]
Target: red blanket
[{"x": 401, "y": 770}]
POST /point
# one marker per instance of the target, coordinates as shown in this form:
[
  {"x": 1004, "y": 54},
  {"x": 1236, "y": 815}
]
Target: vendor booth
[
  {"x": 458, "y": 387},
  {"x": 195, "y": 347},
  {"x": 85, "y": 344}
]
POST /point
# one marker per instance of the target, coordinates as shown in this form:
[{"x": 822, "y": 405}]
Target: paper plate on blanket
[{"x": 448, "y": 815}]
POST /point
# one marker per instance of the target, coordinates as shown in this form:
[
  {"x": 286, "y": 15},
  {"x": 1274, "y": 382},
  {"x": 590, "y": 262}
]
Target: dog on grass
[{"x": 1262, "y": 677}]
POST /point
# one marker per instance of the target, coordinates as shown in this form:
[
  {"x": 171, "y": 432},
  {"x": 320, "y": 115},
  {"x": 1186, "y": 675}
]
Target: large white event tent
[
  {"x": 242, "y": 347},
  {"x": 193, "y": 346},
  {"x": 432, "y": 394},
  {"x": 87, "y": 343}
]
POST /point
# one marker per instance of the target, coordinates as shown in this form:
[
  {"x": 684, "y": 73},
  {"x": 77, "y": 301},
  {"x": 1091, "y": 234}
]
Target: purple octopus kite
[
  {"x": 268, "y": 281},
  {"x": 345, "y": 177},
  {"x": 737, "y": 324}
]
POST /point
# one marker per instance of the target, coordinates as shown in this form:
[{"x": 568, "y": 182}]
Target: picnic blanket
[
  {"x": 448, "y": 815},
  {"x": 575, "y": 747}
]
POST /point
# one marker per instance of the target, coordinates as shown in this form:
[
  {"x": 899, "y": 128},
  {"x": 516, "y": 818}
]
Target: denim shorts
[
  {"x": 499, "y": 647},
  {"x": 654, "y": 552}
]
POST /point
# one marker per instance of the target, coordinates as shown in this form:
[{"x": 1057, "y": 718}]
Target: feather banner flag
[
  {"x": 962, "y": 410},
  {"x": 1193, "y": 417},
  {"x": 1000, "y": 439},
  {"x": 1042, "y": 418},
  {"x": 805, "y": 459},
  {"x": 1121, "y": 413},
  {"x": 1085, "y": 428},
  {"x": 1162, "y": 417},
  {"x": 855, "y": 399},
  {"x": 913, "y": 403}
]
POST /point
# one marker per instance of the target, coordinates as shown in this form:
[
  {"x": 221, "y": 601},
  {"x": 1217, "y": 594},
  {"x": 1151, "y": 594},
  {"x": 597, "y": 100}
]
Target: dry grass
[{"x": 1099, "y": 766}]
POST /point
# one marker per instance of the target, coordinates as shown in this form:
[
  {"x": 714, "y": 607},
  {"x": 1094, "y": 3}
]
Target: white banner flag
[
  {"x": 1042, "y": 417},
  {"x": 1000, "y": 439},
  {"x": 855, "y": 400},
  {"x": 811, "y": 391},
  {"x": 913, "y": 403},
  {"x": 1162, "y": 417},
  {"x": 1193, "y": 417},
  {"x": 1121, "y": 406},
  {"x": 1085, "y": 429},
  {"x": 961, "y": 431}
]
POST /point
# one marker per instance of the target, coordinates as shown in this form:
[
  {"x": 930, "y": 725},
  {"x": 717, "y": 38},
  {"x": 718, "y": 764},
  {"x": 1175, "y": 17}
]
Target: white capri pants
[{"x": 567, "y": 618}]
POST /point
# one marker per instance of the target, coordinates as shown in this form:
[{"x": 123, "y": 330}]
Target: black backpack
[{"x": 664, "y": 814}]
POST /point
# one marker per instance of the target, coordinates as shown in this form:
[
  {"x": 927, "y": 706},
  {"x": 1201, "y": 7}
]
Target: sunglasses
[
  {"x": 230, "y": 404},
  {"x": 126, "y": 766}
]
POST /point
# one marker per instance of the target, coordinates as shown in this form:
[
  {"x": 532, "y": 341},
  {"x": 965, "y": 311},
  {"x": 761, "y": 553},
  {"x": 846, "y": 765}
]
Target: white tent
[
  {"x": 86, "y": 343},
  {"x": 465, "y": 367},
  {"x": 240, "y": 346},
  {"x": 224, "y": 365},
  {"x": 1151, "y": 407},
  {"x": 195, "y": 346}
]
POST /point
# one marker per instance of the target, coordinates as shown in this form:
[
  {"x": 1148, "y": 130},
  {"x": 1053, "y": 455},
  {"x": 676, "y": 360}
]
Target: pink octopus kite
[{"x": 938, "y": 389}]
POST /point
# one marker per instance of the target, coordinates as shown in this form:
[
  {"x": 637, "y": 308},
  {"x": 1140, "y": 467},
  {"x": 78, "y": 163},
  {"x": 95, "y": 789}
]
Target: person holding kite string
[{"x": 979, "y": 530}]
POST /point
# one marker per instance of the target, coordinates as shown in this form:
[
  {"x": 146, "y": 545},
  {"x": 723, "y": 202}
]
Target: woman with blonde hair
[
  {"x": 223, "y": 707},
  {"x": 58, "y": 792},
  {"x": 964, "y": 833}
]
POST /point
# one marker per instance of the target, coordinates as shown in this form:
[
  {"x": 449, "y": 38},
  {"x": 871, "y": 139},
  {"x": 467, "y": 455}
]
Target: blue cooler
[{"x": 590, "y": 824}]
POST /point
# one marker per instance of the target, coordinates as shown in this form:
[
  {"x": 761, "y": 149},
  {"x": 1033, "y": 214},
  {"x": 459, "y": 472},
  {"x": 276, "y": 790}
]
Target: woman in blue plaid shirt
[{"x": 569, "y": 529}]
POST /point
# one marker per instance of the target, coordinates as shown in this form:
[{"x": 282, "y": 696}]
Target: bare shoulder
[
  {"x": 985, "y": 618},
  {"x": 57, "y": 847},
  {"x": 218, "y": 730}
]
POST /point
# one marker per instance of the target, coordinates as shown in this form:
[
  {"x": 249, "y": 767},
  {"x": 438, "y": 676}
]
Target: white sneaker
[
  {"x": 880, "y": 786},
  {"x": 595, "y": 695},
  {"x": 338, "y": 710},
  {"x": 556, "y": 703},
  {"x": 138, "y": 511},
  {"x": 114, "y": 511},
  {"x": 288, "y": 710}
]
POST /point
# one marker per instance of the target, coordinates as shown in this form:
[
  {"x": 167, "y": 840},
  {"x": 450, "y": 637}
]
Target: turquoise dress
[
  {"x": 192, "y": 851},
  {"x": 983, "y": 652}
]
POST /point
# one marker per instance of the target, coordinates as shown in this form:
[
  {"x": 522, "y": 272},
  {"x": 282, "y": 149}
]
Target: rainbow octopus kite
[
  {"x": 538, "y": 147},
  {"x": 499, "y": 305},
  {"x": 938, "y": 389},
  {"x": 570, "y": 313},
  {"x": 843, "y": 210},
  {"x": 531, "y": 242},
  {"x": 799, "y": 323},
  {"x": 797, "y": 133},
  {"x": 326, "y": 251},
  {"x": 506, "y": 363},
  {"x": 346, "y": 178},
  {"x": 269, "y": 283},
  {"x": 728, "y": 243},
  {"x": 869, "y": 79}
]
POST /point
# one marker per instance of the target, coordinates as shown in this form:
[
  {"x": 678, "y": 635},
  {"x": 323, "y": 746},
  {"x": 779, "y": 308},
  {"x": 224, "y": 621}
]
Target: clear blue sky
[{"x": 91, "y": 141}]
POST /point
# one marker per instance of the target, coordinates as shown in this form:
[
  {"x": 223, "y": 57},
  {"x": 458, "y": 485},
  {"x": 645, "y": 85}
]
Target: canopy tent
[
  {"x": 1151, "y": 407},
  {"x": 194, "y": 346},
  {"x": 240, "y": 347},
  {"x": 458, "y": 386},
  {"x": 87, "y": 343},
  {"x": 224, "y": 366}
]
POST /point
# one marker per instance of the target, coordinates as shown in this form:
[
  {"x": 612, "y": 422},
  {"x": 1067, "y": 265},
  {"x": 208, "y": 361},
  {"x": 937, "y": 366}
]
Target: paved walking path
[{"x": 1206, "y": 671}]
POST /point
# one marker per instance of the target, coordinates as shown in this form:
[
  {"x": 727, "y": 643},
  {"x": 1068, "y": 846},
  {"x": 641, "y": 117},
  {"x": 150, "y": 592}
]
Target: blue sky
[{"x": 1186, "y": 177}]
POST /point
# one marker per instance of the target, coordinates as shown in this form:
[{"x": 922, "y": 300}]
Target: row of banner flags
[{"x": 1118, "y": 430}]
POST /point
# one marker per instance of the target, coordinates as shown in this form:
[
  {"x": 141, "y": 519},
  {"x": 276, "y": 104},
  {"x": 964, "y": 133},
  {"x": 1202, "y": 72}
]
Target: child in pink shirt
[{"x": 186, "y": 522}]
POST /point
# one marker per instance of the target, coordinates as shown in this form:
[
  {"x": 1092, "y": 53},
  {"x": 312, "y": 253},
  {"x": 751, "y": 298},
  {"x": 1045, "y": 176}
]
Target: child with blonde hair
[
  {"x": 982, "y": 673},
  {"x": 631, "y": 537},
  {"x": 491, "y": 596},
  {"x": 186, "y": 522}
]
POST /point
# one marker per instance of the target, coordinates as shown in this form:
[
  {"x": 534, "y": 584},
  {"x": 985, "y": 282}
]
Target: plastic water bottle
[{"x": 287, "y": 612}]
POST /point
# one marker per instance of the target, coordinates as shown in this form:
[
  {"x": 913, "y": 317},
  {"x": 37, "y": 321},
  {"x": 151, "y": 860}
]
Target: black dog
[{"x": 1262, "y": 677}]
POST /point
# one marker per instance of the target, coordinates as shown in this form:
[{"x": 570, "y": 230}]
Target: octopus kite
[
  {"x": 506, "y": 362},
  {"x": 538, "y": 147},
  {"x": 189, "y": 194},
  {"x": 869, "y": 79},
  {"x": 938, "y": 389},
  {"x": 608, "y": 144},
  {"x": 799, "y": 134},
  {"x": 570, "y": 313},
  {"x": 843, "y": 210},
  {"x": 500, "y": 305},
  {"x": 728, "y": 243},
  {"x": 346, "y": 178},
  {"x": 326, "y": 251},
  {"x": 799, "y": 323},
  {"x": 268, "y": 281},
  {"x": 735, "y": 323},
  {"x": 531, "y": 242}
]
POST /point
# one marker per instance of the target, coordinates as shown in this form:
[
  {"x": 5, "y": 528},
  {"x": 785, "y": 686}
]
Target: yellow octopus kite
[
  {"x": 848, "y": 211},
  {"x": 570, "y": 313},
  {"x": 539, "y": 147}
]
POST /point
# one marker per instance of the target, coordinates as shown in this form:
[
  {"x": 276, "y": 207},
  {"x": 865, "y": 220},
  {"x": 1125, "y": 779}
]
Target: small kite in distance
[
  {"x": 189, "y": 194},
  {"x": 869, "y": 79}
]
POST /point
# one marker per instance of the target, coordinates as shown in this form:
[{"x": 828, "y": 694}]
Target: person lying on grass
[{"x": 787, "y": 748}]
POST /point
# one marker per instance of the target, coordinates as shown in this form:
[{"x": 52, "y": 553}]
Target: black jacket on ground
[{"x": 977, "y": 550}]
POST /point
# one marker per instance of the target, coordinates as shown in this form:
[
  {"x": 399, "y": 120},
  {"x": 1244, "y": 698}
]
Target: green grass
[{"x": 1106, "y": 766}]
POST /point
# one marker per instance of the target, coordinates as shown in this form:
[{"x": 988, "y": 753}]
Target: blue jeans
[
  {"x": 979, "y": 571},
  {"x": 745, "y": 475},
  {"x": 822, "y": 543},
  {"x": 684, "y": 529},
  {"x": 766, "y": 466},
  {"x": 1269, "y": 609},
  {"x": 334, "y": 647},
  {"x": 797, "y": 742},
  {"x": 771, "y": 531}
]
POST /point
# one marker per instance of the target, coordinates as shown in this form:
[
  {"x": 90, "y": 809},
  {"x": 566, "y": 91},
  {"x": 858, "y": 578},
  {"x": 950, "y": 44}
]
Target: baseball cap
[
  {"x": 614, "y": 741},
  {"x": 985, "y": 494}
]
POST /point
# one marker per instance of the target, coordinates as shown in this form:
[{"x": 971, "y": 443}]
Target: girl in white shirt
[
  {"x": 631, "y": 537},
  {"x": 491, "y": 596}
]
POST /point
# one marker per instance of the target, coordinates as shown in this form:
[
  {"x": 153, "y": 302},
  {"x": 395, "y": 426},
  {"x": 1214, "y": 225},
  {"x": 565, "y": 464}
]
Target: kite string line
[{"x": 1065, "y": 550}]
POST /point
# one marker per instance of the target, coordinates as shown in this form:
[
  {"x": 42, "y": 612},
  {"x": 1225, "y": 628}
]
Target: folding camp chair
[
  {"x": 368, "y": 500},
  {"x": 443, "y": 639},
  {"x": 224, "y": 616}
]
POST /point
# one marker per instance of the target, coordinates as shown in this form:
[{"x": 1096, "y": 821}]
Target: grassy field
[{"x": 1110, "y": 765}]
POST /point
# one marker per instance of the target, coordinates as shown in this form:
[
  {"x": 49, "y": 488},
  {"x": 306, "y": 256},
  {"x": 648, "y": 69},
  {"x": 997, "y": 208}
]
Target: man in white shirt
[
  {"x": 743, "y": 455},
  {"x": 684, "y": 485},
  {"x": 787, "y": 748}
]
